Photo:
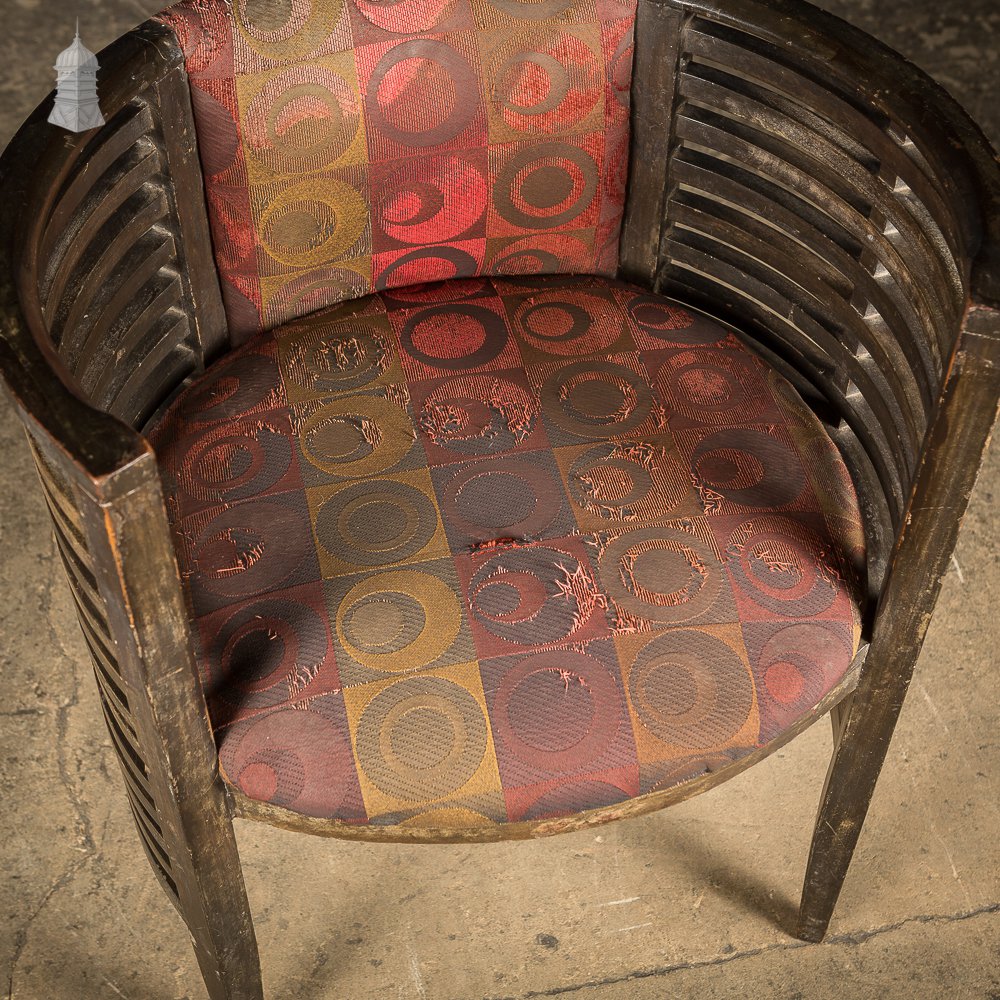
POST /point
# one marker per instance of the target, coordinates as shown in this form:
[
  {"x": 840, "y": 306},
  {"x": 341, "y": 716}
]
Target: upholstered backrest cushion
[{"x": 352, "y": 145}]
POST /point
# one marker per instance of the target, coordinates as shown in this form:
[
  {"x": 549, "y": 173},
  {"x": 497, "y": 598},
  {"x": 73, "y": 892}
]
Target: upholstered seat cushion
[{"x": 497, "y": 550}]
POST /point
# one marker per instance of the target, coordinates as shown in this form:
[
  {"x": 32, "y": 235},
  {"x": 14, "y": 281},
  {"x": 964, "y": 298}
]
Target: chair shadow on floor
[{"x": 673, "y": 847}]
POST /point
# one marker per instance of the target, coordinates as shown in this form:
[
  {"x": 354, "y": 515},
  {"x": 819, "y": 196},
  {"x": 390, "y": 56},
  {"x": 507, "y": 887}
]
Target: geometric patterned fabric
[
  {"x": 350, "y": 146},
  {"x": 493, "y": 550}
]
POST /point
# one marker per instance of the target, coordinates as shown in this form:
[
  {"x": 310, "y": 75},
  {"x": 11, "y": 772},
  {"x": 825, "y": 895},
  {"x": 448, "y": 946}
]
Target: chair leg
[
  {"x": 228, "y": 958},
  {"x": 211, "y": 898},
  {"x": 862, "y": 730}
]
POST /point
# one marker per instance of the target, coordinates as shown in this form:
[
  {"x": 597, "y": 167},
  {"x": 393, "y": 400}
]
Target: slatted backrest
[{"x": 808, "y": 189}]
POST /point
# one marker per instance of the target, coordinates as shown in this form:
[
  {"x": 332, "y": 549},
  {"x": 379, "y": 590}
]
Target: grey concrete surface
[{"x": 692, "y": 902}]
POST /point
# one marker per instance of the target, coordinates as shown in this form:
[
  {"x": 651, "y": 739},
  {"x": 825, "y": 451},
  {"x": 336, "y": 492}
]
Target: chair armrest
[
  {"x": 107, "y": 281},
  {"x": 108, "y": 299}
]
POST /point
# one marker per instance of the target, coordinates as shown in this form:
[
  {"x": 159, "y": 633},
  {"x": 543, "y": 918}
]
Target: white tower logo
[{"x": 76, "y": 106}]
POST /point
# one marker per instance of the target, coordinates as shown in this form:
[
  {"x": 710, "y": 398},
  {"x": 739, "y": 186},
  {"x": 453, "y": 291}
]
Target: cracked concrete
[{"x": 693, "y": 902}]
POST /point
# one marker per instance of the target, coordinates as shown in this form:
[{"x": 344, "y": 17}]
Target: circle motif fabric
[
  {"x": 567, "y": 326},
  {"x": 618, "y": 482},
  {"x": 527, "y": 596},
  {"x": 398, "y": 621},
  {"x": 454, "y": 336},
  {"x": 302, "y": 120},
  {"x": 662, "y": 574},
  {"x": 443, "y": 204},
  {"x": 270, "y": 642},
  {"x": 305, "y": 293},
  {"x": 596, "y": 399},
  {"x": 690, "y": 689},
  {"x": 330, "y": 361},
  {"x": 782, "y": 565},
  {"x": 723, "y": 390},
  {"x": 376, "y": 523},
  {"x": 558, "y": 710},
  {"x": 247, "y": 461},
  {"x": 405, "y": 16},
  {"x": 478, "y": 416},
  {"x": 356, "y": 436},
  {"x": 546, "y": 83},
  {"x": 437, "y": 263},
  {"x": 546, "y": 253},
  {"x": 421, "y": 738},
  {"x": 285, "y": 31},
  {"x": 250, "y": 549},
  {"x": 434, "y": 76},
  {"x": 750, "y": 468},
  {"x": 545, "y": 186},
  {"x": 270, "y": 759},
  {"x": 511, "y": 500},
  {"x": 311, "y": 223},
  {"x": 236, "y": 387}
]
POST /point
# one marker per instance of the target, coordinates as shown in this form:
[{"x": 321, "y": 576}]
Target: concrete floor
[{"x": 692, "y": 902}]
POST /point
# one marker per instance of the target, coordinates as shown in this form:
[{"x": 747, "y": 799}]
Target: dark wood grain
[
  {"x": 654, "y": 74},
  {"x": 951, "y": 459}
]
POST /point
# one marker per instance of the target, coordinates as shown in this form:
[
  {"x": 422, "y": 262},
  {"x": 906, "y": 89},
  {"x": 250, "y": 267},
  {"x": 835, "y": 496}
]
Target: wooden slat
[
  {"x": 772, "y": 207},
  {"x": 139, "y": 165},
  {"x": 109, "y": 145},
  {"x": 154, "y": 857},
  {"x": 138, "y": 315},
  {"x": 778, "y": 71},
  {"x": 808, "y": 160},
  {"x": 655, "y": 64},
  {"x": 171, "y": 332},
  {"x": 136, "y": 408},
  {"x": 106, "y": 262}
]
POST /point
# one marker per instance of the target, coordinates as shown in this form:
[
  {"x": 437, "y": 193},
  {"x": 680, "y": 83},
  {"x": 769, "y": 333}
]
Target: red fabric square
[
  {"x": 783, "y": 567},
  {"x": 467, "y": 416},
  {"x": 546, "y": 186},
  {"x": 232, "y": 461},
  {"x": 432, "y": 199},
  {"x": 422, "y": 95},
  {"x": 297, "y": 758},
  {"x": 454, "y": 337},
  {"x": 558, "y": 714},
  {"x": 375, "y": 21}
]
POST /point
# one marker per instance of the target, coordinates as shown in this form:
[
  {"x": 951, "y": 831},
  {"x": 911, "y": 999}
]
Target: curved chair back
[{"x": 787, "y": 173}]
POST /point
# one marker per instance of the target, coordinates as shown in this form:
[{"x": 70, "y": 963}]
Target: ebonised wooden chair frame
[{"x": 789, "y": 175}]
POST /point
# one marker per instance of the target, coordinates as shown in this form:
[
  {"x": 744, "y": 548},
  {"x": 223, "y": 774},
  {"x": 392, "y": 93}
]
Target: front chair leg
[
  {"x": 863, "y": 725},
  {"x": 211, "y": 898}
]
